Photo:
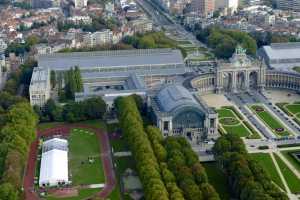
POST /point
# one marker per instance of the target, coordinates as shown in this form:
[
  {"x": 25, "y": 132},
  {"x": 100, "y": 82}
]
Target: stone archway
[
  {"x": 241, "y": 81},
  {"x": 253, "y": 80},
  {"x": 228, "y": 81}
]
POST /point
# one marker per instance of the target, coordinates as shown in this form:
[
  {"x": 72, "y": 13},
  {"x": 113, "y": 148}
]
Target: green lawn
[
  {"x": 265, "y": 160},
  {"x": 291, "y": 159},
  {"x": 239, "y": 130},
  {"x": 291, "y": 179},
  {"x": 224, "y": 112},
  {"x": 293, "y": 108},
  {"x": 84, "y": 144},
  {"x": 83, "y": 194},
  {"x": 119, "y": 145},
  {"x": 44, "y": 126},
  {"x": 218, "y": 179},
  {"x": 270, "y": 120},
  {"x": 233, "y": 126},
  {"x": 229, "y": 121}
]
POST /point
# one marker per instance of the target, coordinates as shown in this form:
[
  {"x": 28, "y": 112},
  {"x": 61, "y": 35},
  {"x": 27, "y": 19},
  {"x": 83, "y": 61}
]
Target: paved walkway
[{"x": 64, "y": 130}]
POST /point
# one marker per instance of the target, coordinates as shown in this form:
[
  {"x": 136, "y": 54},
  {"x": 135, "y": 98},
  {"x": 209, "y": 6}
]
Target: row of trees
[
  {"x": 150, "y": 41},
  {"x": 21, "y": 76},
  {"x": 223, "y": 42},
  {"x": 21, "y": 48},
  {"x": 155, "y": 136},
  {"x": 247, "y": 179},
  {"x": 18, "y": 125},
  {"x": 98, "y": 24},
  {"x": 169, "y": 169},
  {"x": 190, "y": 174},
  {"x": 93, "y": 108},
  {"x": 147, "y": 164},
  {"x": 72, "y": 83}
]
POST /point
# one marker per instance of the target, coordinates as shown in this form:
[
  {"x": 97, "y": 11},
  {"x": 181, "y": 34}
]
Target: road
[{"x": 164, "y": 20}]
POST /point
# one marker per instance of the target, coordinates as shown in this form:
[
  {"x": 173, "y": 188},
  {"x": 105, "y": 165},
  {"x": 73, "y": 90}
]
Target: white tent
[{"x": 54, "y": 163}]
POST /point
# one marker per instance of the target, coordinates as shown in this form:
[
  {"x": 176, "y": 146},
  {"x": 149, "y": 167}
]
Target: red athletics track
[{"x": 110, "y": 178}]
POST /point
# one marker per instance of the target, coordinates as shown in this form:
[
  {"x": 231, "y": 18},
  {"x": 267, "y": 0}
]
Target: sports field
[
  {"x": 270, "y": 121},
  {"x": 83, "y": 145},
  {"x": 232, "y": 122}
]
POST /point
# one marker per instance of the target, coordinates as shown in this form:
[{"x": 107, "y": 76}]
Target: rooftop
[
  {"x": 283, "y": 50},
  {"x": 175, "y": 96},
  {"x": 119, "y": 58}
]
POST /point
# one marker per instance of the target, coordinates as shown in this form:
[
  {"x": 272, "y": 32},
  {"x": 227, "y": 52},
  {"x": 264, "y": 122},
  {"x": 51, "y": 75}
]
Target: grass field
[
  {"x": 233, "y": 123},
  {"x": 291, "y": 179},
  {"x": 83, "y": 194},
  {"x": 265, "y": 160},
  {"x": 218, "y": 179},
  {"x": 291, "y": 159},
  {"x": 270, "y": 120},
  {"x": 84, "y": 144}
]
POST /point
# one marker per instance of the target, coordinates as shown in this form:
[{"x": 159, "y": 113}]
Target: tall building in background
[
  {"x": 227, "y": 4},
  {"x": 203, "y": 7},
  {"x": 289, "y": 5}
]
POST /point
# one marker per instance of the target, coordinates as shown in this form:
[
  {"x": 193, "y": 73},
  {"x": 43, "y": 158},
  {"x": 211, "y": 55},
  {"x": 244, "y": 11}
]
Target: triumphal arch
[{"x": 240, "y": 73}]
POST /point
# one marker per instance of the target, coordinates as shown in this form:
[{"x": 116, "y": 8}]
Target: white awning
[{"x": 54, "y": 167}]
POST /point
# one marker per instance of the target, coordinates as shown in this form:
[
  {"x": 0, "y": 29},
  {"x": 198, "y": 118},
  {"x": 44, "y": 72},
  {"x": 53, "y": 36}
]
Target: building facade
[
  {"x": 289, "y": 5},
  {"x": 39, "y": 89},
  {"x": 178, "y": 113},
  {"x": 203, "y": 7}
]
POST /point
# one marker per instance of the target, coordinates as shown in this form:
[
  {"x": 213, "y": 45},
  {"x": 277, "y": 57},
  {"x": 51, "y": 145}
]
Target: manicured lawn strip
[
  {"x": 84, "y": 144},
  {"x": 239, "y": 130},
  {"x": 235, "y": 111},
  {"x": 217, "y": 179},
  {"x": 83, "y": 194},
  {"x": 269, "y": 120},
  {"x": 254, "y": 134},
  {"x": 265, "y": 160},
  {"x": 291, "y": 179},
  {"x": 293, "y": 108},
  {"x": 291, "y": 159},
  {"x": 44, "y": 126},
  {"x": 223, "y": 112}
]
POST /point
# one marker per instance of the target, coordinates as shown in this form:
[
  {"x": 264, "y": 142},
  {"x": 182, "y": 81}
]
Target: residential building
[
  {"x": 203, "y": 7},
  {"x": 80, "y": 3},
  {"x": 289, "y": 5},
  {"x": 39, "y": 88},
  {"x": 98, "y": 38}
]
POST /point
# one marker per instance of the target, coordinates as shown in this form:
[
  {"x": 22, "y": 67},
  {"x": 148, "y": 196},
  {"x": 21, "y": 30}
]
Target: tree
[{"x": 8, "y": 192}]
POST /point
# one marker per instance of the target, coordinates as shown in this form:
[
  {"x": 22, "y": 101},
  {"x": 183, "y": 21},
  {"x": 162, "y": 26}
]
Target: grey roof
[
  {"x": 283, "y": 50},
  {"x": 119, "y": 58},
  {"x": 175, "y": 96}
]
